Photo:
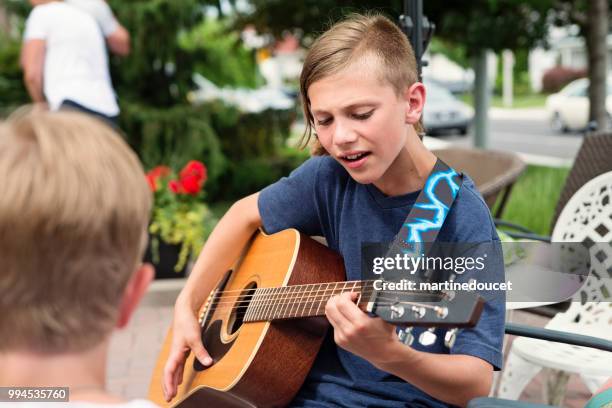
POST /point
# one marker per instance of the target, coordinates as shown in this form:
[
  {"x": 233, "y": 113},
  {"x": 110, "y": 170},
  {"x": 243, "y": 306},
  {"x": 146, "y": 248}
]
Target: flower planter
[
  {"x": 179, "y": 215},
  {"x": 168, "y": 257}
]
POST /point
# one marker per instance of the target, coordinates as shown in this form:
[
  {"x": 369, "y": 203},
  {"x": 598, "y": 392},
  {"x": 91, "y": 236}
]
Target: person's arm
[
  {"x": 118, "y": 41},
  {"x": 117, "y": 36},
  {"x": 32, "y": 61},
  {"x": 454, "y": 379},
  {"x": 222, "y": 248}
]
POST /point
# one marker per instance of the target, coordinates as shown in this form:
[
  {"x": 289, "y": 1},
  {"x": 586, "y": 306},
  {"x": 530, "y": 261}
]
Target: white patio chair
[{"x": 586, "y": 218}]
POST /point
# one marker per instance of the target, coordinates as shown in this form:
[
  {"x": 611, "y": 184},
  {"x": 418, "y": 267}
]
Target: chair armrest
[
  {"x": 516, "y": 231},
  {"x": 528, "y": 236},
  {"x": 485, "y": 402},
  {"x": 507, "y": 224},
  {"x": 558, "y": 336}
]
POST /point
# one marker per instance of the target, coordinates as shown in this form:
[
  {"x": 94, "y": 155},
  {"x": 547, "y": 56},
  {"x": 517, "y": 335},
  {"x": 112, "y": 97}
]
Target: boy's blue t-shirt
[{"x": 320, "y": 198}]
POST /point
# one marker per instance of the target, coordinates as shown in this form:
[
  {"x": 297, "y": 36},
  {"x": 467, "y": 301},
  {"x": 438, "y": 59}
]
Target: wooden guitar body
[{"x": 260, "y": 363}]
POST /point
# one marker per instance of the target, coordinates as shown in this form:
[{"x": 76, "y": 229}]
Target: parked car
[
  {"x": 568, "y": 109},
  {"x": 443, "y": 112}
]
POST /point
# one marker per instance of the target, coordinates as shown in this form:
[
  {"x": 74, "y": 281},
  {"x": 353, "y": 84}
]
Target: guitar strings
[
  {"x": 259, "y": 305},
  {"x": 281, "y": 296},
  {"x": 283, "y": 315},
  {"x": 296, "y": 301},
  {"x": 386, "y": 300},
  {"x": 288, "y": 301},
  {"x": 296, "y": 289},
  {"x": 304, "y": 285},
  {"x": 285, "y": 296},
  {"x": 319, "y": 312}
]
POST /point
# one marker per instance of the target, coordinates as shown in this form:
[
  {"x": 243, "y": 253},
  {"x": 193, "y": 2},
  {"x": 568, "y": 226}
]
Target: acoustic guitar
[{"x": 265, "y": 322}]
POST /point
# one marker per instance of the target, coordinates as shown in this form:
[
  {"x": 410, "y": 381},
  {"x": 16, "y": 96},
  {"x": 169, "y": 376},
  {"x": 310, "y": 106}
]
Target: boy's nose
[{"x": 344, "y": 134}]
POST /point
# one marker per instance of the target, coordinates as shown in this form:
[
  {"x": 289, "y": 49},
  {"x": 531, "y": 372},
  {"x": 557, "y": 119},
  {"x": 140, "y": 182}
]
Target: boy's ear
[
  {"x": 133, "y": 293},
  {"x": 414, "y": 96}
]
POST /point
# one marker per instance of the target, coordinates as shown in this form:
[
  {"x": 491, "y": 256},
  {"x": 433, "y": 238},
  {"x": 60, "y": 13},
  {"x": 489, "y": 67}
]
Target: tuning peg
[
  {"x": 449, "y": 294},
  {"x": 450, "y": 337},
  {"x": 441, "y": 312},
  {"x": 397, "y": 311},
  {"x": 405, "y": 336},
  {"x": 428, "y": 337},
  {"x": 419, "y": 311}
]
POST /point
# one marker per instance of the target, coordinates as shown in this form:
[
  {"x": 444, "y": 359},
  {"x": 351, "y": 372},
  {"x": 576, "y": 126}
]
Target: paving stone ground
[{"x": 134, "y": 350}]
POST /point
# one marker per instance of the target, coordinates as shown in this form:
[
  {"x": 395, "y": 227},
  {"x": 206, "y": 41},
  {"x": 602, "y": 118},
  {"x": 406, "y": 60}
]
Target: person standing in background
[
  {"x": 65, "y": 62},
  {"x": 117, "y": 37}
]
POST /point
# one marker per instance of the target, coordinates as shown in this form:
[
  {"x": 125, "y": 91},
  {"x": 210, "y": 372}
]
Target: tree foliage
[
  {"x": 472, "y": 25},
  {"x": 311, "y": 17},
  {"x": 490, "y": 24},
  {"x": 220, "y": 55},
  {"x": 158, "y": 71}
]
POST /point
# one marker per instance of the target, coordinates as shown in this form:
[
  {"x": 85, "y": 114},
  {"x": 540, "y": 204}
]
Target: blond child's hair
[
  {"x": 356, "y": 37},
  {"x": 74, "y": 209}
]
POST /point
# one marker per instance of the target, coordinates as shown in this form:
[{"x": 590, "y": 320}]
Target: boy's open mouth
[{"x": 354, "y": 157}]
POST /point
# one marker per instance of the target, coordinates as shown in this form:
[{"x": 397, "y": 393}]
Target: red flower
[
  {"x": 155, "y": 174},
  {"x": 197, "y": 170},
  {"x": 192, "y": 178},
  {"x": 190, "y": 184},
  {"x": 160, "y": 171},
  {"x": 174, "y": 186},
  {"x": 151, "y": 182}
]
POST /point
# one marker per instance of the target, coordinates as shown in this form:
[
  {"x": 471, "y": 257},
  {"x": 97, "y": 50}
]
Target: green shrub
[
  {"x": 557, "y": 77},
  {"x": 248, "y": 176},
  {"x": 220, "y": 55},
  {"x": 243, "y": 152},
  {"x": 12, "y": 90},
  {"x": 172, "y": 136},
  {"x": 249, "y": 135}
]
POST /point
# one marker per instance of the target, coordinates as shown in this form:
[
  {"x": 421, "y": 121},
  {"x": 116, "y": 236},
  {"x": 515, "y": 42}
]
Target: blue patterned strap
[{"x": 429, "y": 212}]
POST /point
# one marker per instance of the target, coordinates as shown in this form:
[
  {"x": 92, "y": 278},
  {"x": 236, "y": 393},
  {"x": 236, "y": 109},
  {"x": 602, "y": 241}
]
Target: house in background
[{"x": 567, "y": 50}]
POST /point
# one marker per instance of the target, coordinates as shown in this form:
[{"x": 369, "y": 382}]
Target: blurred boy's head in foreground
[{"x": 74, "y": 209}]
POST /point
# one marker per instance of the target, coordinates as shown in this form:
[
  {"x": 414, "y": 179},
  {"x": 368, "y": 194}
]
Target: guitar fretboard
[{"x": 296, "y": 301}]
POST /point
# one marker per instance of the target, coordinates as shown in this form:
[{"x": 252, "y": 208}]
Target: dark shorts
[{"x": 72, "y": 105}]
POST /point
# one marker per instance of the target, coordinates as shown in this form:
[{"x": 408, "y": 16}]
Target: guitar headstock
[{"x": 427, "y": 309}]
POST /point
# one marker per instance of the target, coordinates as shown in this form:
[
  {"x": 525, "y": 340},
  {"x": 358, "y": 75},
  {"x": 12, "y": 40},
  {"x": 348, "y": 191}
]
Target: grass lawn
[
  {"x": 519, "y": 101},
  {"x": 534, "y": 198}
]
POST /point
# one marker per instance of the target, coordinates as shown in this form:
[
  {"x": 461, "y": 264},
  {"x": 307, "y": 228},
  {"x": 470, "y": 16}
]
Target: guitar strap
[
  {"x": 420, "y": 230},
  {"x": 429, "y": 212}
]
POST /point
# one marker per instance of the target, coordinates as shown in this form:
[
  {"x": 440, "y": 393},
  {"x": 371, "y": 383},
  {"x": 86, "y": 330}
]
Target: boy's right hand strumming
[
  {"x": 220, "y": 252},
  {"x": 185, "y": 337}
]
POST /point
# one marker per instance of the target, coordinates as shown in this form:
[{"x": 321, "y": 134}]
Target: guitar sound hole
[{"x": 240, "y": 307}]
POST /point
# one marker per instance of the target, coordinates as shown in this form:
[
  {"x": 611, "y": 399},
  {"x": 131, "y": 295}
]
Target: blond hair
[
  {"x": 74, "y": 208},
  {"x": 356, "y": 37}
]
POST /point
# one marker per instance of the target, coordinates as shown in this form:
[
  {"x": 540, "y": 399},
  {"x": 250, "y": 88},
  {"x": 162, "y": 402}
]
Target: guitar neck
[{"x": 290, "y": 302}]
